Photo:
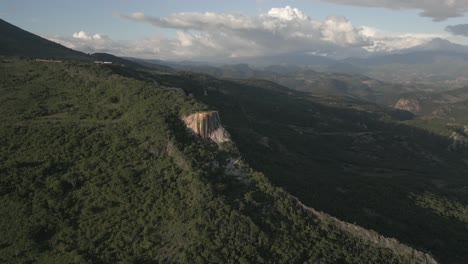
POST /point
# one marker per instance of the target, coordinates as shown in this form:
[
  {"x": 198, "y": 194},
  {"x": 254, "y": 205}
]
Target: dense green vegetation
[
  {"x": 354, "y": 160},
  {"x": 98, "y": 168},
  {"x": 129, "y": 63},
  {"x": 443, "y": 113}
]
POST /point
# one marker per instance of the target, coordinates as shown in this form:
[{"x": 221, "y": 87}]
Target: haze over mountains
[
  {"x": 437, "y": 62},
  {"x": 143, "y": 161}
]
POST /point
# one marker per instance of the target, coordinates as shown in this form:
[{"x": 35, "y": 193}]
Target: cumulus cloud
[
  {"x": 86, "y": 42},
  {"x": 460, "y": 30},
  {"x": 226, "y": 35},
  {"x": 86, "y": 36},
  {"x": 438, "y": 10},
  {"x": 280, "y": 30},
  {"x": 287, "y": 13}
]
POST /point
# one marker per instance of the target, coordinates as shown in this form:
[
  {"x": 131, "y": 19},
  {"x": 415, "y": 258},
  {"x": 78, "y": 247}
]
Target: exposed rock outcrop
[
  {"x": 460, "y": 141},
  {"x": 207, "y": 124},
  {"x": 409, "y": 104},
  {"x": 176, "y": 89},
  {"x": 370, "y": 236},
  {"x": 234, "y": 167}
]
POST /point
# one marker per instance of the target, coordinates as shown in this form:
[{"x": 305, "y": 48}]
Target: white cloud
[
  {"x": 81, "y": 35},
  {"x": 97, "y": 36},
  {"x": 340, "y": 30},
  {"x": 438, "y": 10},
  {"x": 85, "y": 36},
  {"x": 222, "y": 35},
  {"x": 287, "y": 13},
  {"x": 281, "y": 30},
  {"x": 89, "y": 43},
  {"x": 391, "y": 42}
]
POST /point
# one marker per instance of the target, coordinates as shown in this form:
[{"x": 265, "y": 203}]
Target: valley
[{"x": 357, "y": 161}]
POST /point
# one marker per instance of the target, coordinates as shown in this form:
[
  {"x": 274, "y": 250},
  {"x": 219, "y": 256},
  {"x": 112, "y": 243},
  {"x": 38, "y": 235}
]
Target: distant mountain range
[
  {"x": 347, "y": 82},
  {"x": 439, "y": 63},
  {"x": 438, "y": 44}
]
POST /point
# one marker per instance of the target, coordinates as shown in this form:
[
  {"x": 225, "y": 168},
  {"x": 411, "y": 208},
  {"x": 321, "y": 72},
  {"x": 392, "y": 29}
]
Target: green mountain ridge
[
  {"x": 357, "y": 161},
  {"x": 15, "y": 41},
  {"x": 91, "y": 172},
  {"x": 129, "y": 63}
]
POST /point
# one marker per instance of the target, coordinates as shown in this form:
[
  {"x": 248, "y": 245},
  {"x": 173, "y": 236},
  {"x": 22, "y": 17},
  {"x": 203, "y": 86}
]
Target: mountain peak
[
  {"x": 15, "y": 41},
  {"x": 440, "y": 44}
]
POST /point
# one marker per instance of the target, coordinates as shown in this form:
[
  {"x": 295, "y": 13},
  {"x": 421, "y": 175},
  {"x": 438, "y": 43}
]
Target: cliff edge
[{"x": 207, "y": 125}]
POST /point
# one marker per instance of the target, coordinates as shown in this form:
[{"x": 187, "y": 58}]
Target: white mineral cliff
[
  {"x": 409, "y": 104},
  {"x": 207, "y": 125}
]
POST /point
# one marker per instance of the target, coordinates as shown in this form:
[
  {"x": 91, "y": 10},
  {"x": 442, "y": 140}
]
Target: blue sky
[{"x": 59, "y": 19}]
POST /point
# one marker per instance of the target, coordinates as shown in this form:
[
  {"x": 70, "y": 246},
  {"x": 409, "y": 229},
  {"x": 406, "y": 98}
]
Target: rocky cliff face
[
  {"x": 207, "y": 125},
  {"x": 371, "y": 236},
  {"x": 408, "y": 104}
]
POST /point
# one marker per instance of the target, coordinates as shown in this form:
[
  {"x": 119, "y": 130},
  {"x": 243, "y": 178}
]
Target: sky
[{"x": 204, "y": 29}]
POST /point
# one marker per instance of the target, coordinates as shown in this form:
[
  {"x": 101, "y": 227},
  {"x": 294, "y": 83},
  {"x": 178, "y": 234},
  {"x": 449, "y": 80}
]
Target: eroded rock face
[
  {"x": 460, "y": 141},
  {"x": 207, "y": 125},
  {"x": 371, "y": 236},
  {"x": 408, "y": 104}
]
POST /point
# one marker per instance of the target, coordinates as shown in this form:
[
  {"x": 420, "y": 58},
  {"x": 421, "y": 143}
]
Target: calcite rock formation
[
  {"x": 207, "y": 125},
  {"x": 408, "y": 104}
]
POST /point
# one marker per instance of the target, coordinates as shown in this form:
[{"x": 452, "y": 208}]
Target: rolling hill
[
  {"x": 443, "y": 113},
  {"x": 360, "y": 162},
  {"x": 332, "y": 83},
  {"x": 97, "y": 167}
]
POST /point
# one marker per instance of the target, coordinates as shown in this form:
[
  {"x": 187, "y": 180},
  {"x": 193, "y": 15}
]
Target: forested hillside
[
  {"x": 99, "y": 168},
  {"x": 360, "y": 162}
]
